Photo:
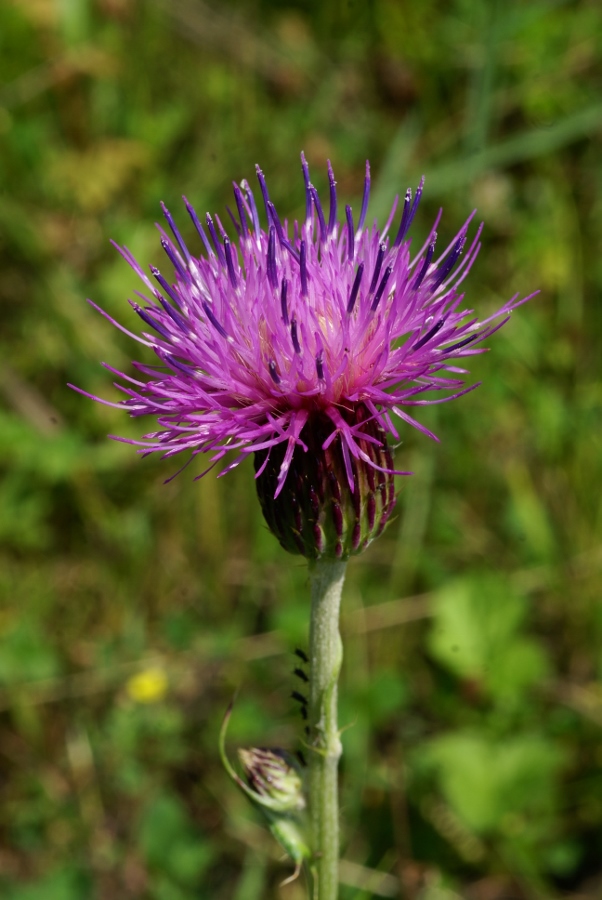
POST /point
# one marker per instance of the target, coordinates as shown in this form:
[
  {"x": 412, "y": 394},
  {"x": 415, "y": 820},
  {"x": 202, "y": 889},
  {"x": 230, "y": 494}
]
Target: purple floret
[{"x": 258, "y": 334}]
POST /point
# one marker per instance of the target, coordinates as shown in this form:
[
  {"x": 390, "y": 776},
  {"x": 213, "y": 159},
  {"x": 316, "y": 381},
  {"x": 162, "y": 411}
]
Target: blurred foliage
[{"x": 132, "y": 609}]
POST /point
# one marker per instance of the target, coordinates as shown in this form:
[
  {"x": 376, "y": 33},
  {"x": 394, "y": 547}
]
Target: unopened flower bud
[
  {"x": 274, "y": 774},
  {"x": 332, "y": 505},
  {"x": 275, "y": 787}
]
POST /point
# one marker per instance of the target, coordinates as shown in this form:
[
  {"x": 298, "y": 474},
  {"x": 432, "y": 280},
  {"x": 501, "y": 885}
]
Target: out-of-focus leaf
[
  {"x": 476, "y": 634},
  {"x": 26, "y": 655},
  {"x": 63, "y": 884},
  {"x": 504, "y": 785},
  {"x": 170, "y": 844}
]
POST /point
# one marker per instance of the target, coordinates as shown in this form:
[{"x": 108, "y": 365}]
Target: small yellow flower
[{"x": 148, "y": 686}]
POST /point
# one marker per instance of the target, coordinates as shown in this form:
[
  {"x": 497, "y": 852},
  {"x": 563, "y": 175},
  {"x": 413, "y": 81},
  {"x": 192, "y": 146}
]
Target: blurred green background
[{"x": 132, "y": 610}]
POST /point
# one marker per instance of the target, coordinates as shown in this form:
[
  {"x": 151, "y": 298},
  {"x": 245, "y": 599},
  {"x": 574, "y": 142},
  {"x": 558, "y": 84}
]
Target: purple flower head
[{"x": 257, "y": 336}]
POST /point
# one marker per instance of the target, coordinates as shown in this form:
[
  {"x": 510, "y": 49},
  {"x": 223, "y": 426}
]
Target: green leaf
[
  {"x": 61, "y": 884},
  {"x": 476, "y": 635},
  {"x": 169, "y": 842},
  {"x": 497, "y": 786}
]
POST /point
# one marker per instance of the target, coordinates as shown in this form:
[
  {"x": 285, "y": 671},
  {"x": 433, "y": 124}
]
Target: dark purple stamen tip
[
  {"x": 252, "y": 205},
  {"x": 274, "y": 372},
  {"x": 213, "y": 320},
  {"x": 264, "y": 190},
  {"x": 365, "y": 198},
  {"x": 165, "y": 285},
  {"x": 283, "y": 302},
  {"x": 176, "y": 364},
  {"x": 416, "y": 202},
  {"x": 377, "y": 267},
  {"x": 305, "y": 169},
  {"x": 303, "y": 268},
  {"x": 405, "y": 215},
  {"x": 175, "y": 231},
  {"x": 332, "y": 216},
  {"x": 381, "y": 288},
  {"x": 151, "y": 322},
  {"x": 271, "y": 267},
  {"x": 320, "y": 365},
  {"x": 430, "y": 334},
  {"x": 463, "y": 343},
  {"x": 427, "y": 261},
  {"x": 215, "y": 239},
  {"x": 172, "y": 313},
  {"x": 173, "y": 258},
  {"x": 199, "y": 227},
  {"x": 350, "y": 234},
  {"x": 355, "y": 288},
  {"x": 240, "y": 206},
  {"x": 320, "y": 212},
  {"x": 419, "y": 190},
  {"x": 230, "y": 263},
  {"x": 295, "y": 337},
  {"x": 449, "y": 263},
  {"x": 274, "y": 219}
]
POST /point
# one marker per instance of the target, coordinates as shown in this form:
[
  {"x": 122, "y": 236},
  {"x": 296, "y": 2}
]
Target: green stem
[{"x": 326, "y": 656}]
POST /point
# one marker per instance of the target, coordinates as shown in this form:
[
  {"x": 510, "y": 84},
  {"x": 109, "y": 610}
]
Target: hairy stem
[{"x": 326, "y": 656}]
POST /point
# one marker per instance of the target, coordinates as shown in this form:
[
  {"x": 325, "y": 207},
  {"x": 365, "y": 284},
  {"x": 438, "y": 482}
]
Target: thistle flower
[{"x": 299, "y": 345}]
